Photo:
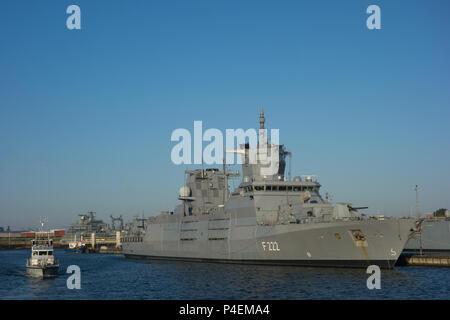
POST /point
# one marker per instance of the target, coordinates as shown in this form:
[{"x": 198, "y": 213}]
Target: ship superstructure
[{"x": 84, "y": 227}]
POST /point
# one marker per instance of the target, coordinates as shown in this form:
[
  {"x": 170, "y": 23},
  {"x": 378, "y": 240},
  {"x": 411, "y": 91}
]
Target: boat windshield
[{"x": 44, "y": 253}]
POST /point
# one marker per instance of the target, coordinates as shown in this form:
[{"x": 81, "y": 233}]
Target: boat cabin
[{"x": 41, "y": 252}]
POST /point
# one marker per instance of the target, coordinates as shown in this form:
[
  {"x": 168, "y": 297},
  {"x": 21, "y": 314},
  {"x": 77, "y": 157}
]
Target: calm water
[{"x": 114, "y": 277}]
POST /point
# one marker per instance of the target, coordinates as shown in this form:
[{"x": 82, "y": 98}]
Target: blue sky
[{"x": 86, "y": 115}]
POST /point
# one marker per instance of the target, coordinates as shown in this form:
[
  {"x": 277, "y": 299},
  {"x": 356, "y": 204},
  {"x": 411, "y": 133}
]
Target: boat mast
[{"x": 417, "y": 201}]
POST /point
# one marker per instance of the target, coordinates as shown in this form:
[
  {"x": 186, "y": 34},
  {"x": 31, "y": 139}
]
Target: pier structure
[
  {"x": 431, "y": 260},
  {"x": 96, "y": 240},
  {"x": 110, "y": 244}
]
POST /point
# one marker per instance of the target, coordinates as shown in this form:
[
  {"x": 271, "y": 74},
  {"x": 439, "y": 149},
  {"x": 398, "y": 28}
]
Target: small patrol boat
[{"x": 42, "y": 263}]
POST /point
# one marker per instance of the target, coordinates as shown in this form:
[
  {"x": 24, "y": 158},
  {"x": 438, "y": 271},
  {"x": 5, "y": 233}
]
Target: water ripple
[{"x": 114, "y": 277}]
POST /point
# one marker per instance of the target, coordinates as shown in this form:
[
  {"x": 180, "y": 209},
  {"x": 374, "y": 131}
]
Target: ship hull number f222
[{"x": 270, "y": 246}]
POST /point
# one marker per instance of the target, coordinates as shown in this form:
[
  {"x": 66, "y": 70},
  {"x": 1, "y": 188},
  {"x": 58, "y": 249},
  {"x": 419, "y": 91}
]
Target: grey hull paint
[
  {"x": 384, "y": 264},
  {"x": 320, "y": 244},
  {"x": 435, "y": 237}
]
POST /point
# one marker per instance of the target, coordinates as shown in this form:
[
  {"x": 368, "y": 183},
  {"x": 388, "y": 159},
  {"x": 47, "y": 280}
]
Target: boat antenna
[
  {"x": 225, "y": 177},
  {"x": 417, "y": 201},
  {"x": 262, "y": 120},
  {"x": 42, "y": 221},
  {"x": 202, "y": 166},
  {"x": 223, "y": 162},
  {"x": 290, "y": 165}
]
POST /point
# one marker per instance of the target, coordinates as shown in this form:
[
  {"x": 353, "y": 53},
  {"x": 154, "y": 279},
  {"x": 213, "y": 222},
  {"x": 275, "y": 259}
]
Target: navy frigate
[{"x": 267, "y": 219}]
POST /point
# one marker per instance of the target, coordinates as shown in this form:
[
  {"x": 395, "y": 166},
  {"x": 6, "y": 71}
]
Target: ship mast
[
  {"x": 262, "y": 120},
  {"x": 417, "y": 201}
]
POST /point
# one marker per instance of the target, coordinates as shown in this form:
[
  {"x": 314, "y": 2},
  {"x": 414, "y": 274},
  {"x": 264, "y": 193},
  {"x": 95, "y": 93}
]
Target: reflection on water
[
  {"x": 39, "y": 287},
  {"x": 114, "y": 277}
]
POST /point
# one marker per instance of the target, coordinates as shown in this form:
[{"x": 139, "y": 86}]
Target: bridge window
[
  {"x": 289, "y": 188},
  {"x": 274, "y": 188},
  {"x": 297, "y": 188},
  {"x": 259, "y": 188},
  {"x": 50, "y": 253},
  {"x": 268, "y": 188},
  {"x": 282, "y": 188}
]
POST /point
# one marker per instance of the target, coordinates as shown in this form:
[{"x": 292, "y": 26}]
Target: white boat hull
[{"x": 43, "y": 272}]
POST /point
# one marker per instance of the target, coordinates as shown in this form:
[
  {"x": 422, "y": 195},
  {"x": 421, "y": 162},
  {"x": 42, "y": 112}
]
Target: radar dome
[{"x": 185, "y": 192}]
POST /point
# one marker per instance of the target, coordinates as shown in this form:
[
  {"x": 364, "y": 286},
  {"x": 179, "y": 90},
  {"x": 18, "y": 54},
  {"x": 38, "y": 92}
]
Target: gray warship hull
[
  {"x": 322, "y": 244},
  {"x": 435, "y": 236}
]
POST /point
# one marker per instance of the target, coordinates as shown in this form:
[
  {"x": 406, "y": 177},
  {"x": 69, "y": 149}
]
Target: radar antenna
[
  {"x": 417, "y": 201},
  {"x": 42, "y": 221}
]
